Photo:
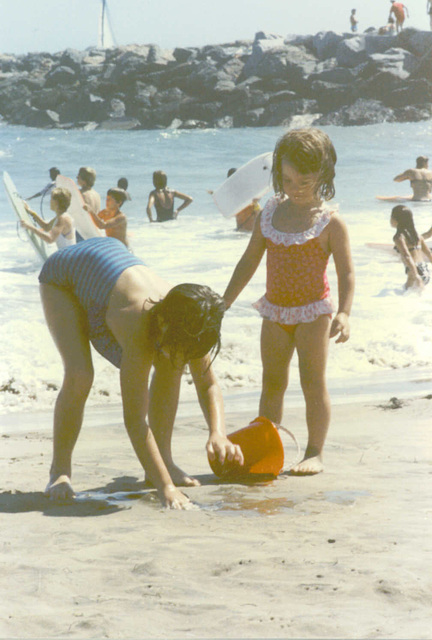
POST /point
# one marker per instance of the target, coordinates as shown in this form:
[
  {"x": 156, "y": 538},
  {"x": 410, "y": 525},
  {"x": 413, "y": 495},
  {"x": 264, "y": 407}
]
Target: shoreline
[{"x": 337, "y": 555}]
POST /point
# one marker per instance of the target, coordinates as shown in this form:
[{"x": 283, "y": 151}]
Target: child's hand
[
  {"x": 223, "y": 449},
  {"x": 340, "y": 325}
]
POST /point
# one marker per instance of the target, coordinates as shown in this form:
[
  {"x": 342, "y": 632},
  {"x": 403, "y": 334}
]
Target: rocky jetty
[{"x": 334, "y": 78}]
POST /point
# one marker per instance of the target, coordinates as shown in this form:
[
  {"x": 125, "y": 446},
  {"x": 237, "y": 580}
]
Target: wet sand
[{"x": 345, "y": 554}]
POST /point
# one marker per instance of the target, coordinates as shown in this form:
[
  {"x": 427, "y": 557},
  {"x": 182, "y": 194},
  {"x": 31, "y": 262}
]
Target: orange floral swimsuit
[{"x": 297, "y": 285}]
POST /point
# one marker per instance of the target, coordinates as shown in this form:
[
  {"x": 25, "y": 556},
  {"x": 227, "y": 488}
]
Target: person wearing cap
[
  {"x": 400, "y": 11},
  {"x": 420, "y": 179}
]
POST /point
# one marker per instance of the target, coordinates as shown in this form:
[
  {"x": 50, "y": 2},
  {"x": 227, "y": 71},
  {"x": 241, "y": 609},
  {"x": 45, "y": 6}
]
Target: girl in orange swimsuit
[{"x": 299, "y": 232}]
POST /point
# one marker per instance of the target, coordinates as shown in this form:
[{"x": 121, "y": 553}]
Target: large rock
[
  {"x": 325, "y": 44},
  {"x": 61, "y": 76},
  {"x": 362, "y": 112},
  {"x": 417, "y": 42}
]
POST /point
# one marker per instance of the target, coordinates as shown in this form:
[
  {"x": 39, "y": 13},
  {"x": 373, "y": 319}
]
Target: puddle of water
[{"x": 344, "y": 497}]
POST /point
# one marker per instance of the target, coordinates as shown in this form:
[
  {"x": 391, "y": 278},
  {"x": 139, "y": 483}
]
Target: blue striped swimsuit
[{"x": 90, "y": 270}]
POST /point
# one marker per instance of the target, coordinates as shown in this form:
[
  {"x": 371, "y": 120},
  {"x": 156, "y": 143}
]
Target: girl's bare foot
[
  {"x": 60, "y": 488},
  {"x": 308, "y": 467}
]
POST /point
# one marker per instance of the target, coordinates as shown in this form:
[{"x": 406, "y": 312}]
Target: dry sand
[{"x": 346, "y": 554}]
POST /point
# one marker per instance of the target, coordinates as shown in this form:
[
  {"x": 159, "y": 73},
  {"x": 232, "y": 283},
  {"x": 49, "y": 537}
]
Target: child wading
[
  {"x": 300, "y": 233},
  {"x": 413, "y": 250}
]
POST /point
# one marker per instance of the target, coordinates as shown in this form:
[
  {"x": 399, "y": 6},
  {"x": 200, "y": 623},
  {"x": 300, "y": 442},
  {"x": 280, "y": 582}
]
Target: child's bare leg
[
  {"x": 312, "y": 341},
  {"x": 277, "y": 348},
  {"x": 67, "y": 325},
  {"x": 164, "y": 397}
]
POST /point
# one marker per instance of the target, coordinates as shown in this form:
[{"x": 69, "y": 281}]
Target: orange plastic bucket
[{"x": 262, "y": 449}]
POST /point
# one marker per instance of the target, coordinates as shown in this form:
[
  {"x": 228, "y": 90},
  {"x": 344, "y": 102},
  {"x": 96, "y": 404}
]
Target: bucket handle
[{"x": 298, "y": 455}]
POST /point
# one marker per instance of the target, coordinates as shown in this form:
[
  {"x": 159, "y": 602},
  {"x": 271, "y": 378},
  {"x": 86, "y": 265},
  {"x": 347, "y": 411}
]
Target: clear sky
[{"x": 54, "y": 25}]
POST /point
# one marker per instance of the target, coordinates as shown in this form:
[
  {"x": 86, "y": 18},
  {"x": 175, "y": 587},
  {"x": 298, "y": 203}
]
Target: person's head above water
[
  {"x": 123, "y": 183},
  {"x": 54, "y": 172},
  {"x": 87, "y": 175},
  {"x": 308, "y": 150},
  {"x": 230, "y": 172},
  {"x": 160, "y": 179},
  {"x": 187, "y": 322},
  {"x": 61, "y": 198},
  {"x": 422, "y": 162},
  {"x": 119, "y": 195}
]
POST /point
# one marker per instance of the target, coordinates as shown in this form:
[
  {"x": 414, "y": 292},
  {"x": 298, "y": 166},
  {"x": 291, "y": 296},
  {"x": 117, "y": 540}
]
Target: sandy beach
[{"x": 345, "y": 554}]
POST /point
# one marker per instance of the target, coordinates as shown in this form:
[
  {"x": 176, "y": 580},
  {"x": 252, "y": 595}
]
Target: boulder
[
  {"x": 61, "y": 75},
  {"x": 351, "y": 52},
  {"x": 362, "y": 112},
  {"x": 325, "y": 44},
  {"x": 417, "y": 42}
]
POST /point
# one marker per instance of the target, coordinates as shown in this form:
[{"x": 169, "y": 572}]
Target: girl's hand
[
  {"x": 340, "y": 325},
  {"x": 25, "y": 224},
  {"x": 222, "y": 448},
  {"x": 173, "y": 498}
]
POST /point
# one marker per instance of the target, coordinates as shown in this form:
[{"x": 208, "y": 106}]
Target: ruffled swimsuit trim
[{"x": 312, "y": 310}]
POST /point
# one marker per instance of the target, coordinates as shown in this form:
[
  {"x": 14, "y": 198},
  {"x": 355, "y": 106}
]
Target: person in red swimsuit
[
  {"x": 398, "y": 10},
  {"x": 299, "y": 232}
]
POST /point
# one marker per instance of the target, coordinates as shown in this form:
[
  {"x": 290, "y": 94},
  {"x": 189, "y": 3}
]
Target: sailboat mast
[{"x": 102, "y": 27}]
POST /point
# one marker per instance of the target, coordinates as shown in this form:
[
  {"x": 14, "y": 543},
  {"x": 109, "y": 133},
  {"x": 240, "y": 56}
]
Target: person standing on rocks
[
  {"x": 420, "y": 179},
  {"x": 162, "y": 199},
  {"x": 400, "y": 11},
  {"x": 354, "y": 21}
]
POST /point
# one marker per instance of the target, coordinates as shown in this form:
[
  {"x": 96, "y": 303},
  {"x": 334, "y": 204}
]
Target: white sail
[{"x": 106, "y": 38}]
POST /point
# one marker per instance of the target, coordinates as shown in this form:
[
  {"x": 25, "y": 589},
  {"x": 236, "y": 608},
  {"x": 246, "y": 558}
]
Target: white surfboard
[
  {"x": 401, "y": 199},
  {"x": 252, "y": 180},
  {"x": 18, "y": 206},
  {"x": 82, "y": 219}
]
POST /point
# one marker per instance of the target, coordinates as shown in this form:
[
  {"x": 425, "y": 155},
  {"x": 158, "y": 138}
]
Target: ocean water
[{"x": 390, "y": 350}]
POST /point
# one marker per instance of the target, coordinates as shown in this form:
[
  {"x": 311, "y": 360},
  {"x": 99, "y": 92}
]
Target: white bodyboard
[
  {"x": 18, "y": 206},
  {"x": 82, "y": 219},
  {"x": 252, "y": 180}
]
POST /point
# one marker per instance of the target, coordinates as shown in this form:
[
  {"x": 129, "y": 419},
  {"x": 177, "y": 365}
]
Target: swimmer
[
  {"x": 414, "y": 252},
  {"x": 163, "y": 199},
  {"x": 111, "y": 219},
  {"x": 420, "y": 179},
  {"x": 60, "y": 229},
  {"x": 86, "y": 179}
]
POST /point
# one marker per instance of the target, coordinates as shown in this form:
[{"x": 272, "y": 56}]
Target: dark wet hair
[
  {"x": 63, "y": 197},
  {"x": 119, "y": 195},
  {"x": 422, "y": 162},
  {"x": 54, "y": 172},
  {"x": 192, "y": 314},
  {"x": 230, "y": 172},
  {"x": 122, "y": 183},
  {"x": 404, "y": 219},
  {"x": 160, "y": 179},
  {"x": 88, "y": 175},
  {"x": 309, "y": 150}
]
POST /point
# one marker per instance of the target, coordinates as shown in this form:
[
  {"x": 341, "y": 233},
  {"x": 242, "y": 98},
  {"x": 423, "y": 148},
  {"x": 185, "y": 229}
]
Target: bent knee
[{"x": 78, "y": 381}]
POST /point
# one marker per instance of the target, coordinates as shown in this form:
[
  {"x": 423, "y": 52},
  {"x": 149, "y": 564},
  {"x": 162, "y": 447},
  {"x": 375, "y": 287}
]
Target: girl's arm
[
  {"x": 46, "y": 226},
  {"x": 186, "y": 200},
  {"x": 117, "y": 221},
  {"x": 134, "y": 376},
  {"x": 425, "y": 249},
  {"x": 150, "y": 204},
  {"x": 407, "y": 259},
  {"x": 211, "y": 403},
  {"x": 339, "y": 246},
  {"x": 48, "y": 236},
  {"x": 247, "y": 265}
]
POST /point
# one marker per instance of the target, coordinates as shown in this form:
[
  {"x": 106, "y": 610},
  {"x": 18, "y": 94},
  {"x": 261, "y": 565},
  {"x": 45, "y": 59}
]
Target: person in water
[
  {"x": 420, "y": 179},
  {"x": 53, "y": 173},
  {"x": 97, "y": 292},
  {"x": 111, "y": 219},
  {"x": 123, "y": 183},
  {"x": 412, "y": 248},
  {"x": 245, "y": 219},
  {"x": 86, "y": 179},
  {"x": 163, "y": 199},
  {"x": 61, "y": 228},
  {"x": 299, "y": 231}
]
